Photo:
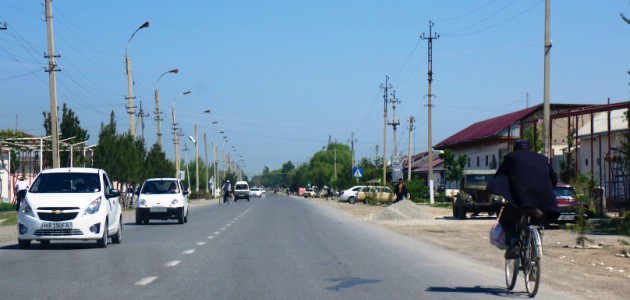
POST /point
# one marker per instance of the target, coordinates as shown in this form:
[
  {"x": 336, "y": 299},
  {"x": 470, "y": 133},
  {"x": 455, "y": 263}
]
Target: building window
[
  {"x": 477, "y": 161},
  {"x": 486, "y": 160},
  {"x": 586, "y": 161},
  {"x": 469, "y": 162}
]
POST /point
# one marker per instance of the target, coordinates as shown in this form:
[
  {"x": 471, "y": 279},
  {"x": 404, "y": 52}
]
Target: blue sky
[{"x": 281, "y": 76}]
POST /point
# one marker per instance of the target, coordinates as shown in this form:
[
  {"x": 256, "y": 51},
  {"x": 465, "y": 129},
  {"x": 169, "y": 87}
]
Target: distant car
[
  {"x": 350, "y": 195},
  {"x": 567, "y": 203},
  {"x": 241, "y": 190},
  {"x": 309, "y": 192},
  {"x": 473, "y": 197},
  {"x": 70, "y": 204},
  {"x": 256, "y": 192},
  {"x": 380, "y": 194},
  {"x": 162, "y": 199}
]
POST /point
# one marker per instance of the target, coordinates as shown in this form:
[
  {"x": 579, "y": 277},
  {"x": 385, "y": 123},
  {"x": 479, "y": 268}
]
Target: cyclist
[
  {"x": 227, "y": 187},
  {"x": 526, "y": 180}
]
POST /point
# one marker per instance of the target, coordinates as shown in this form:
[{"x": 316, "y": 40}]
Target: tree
[
  {"x": 454, "y": 166},
  {"x": 70, "y": 127},
  {"x": 536, "y": 142},
  {"x": 567, "y": 166}
]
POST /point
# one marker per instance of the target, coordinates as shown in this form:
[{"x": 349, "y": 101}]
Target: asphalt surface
[{"x": 275, "y": 247}]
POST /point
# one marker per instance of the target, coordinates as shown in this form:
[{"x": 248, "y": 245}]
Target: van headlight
[
  {"x": 26, "y": 209},
  {"x": 174, "y": 202},
  {"x": 142, "y": 202},
  {"x": 94, "y": 206}
]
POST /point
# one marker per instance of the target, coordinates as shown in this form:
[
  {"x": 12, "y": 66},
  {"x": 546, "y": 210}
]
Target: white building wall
[{"x": 600, "y": 149}]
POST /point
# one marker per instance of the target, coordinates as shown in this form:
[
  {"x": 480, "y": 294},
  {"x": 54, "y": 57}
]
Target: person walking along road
[
  {"x": 20, "y": 191},
  {"x": 400, "y": 190}
]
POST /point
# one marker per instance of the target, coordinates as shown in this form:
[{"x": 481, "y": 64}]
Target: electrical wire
[
  {"x": 482, "y": 20},
  {"x": 466, "y": 14}
]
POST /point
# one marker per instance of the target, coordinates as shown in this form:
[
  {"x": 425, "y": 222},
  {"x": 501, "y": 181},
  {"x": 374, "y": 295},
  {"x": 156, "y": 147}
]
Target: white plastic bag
[{"x": 497, "y": 234}]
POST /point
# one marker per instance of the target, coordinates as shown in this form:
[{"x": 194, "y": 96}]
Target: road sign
[{"x": 357, "y": 172}]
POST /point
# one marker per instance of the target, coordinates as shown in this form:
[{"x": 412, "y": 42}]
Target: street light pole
[
  {"x": 158, "y": 113},
  {"x": 196, "y": 159},
  {"x": 175, "y": 134},
  {"x": 130, "y": 97}
]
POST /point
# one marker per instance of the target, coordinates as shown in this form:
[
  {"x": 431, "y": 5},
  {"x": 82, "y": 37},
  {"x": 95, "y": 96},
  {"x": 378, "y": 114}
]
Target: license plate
[
  {"x": 157, "y": 209},
  {"x": 567, "y": 218},
  {"x": 57, "y": 225}
]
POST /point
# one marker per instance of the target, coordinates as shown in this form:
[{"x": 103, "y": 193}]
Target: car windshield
[
  {"x": 565, "y": 192},
  {"x": 160, "y": 187},
  {"x": 478, "y": 179},
  {"x": 356, "y": 189},
  {"x": 241, "y": 187},
  {"x": 66, "y": 183}
]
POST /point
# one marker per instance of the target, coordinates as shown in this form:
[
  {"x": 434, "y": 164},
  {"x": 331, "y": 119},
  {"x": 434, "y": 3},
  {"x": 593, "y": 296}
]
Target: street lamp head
[
  {"x": 145, "y": 25},
  {"x": 174, "y": 71},
  {"x": 192, "y": 139},
  {"x": 215, "y": 122},
  {"x": 186, "y": 93},
  {"x": 221, "y": 131},
  {"x": 207, "y": 111}
]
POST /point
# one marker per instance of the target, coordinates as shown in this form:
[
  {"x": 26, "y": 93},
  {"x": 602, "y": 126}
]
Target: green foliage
[
  {"x": 581, "y": 226},
  {"x": 418, "y": 190},
  {"x": 15, "y": 163},
  {"x": 454, "y": 165},
  {"x": 201, "y": 194},
  {"x": 442, "y": 204},
  {"x": 620, "y": 226},
  {"x": 567, "y": 167},
  {"x": 69, "y": 127},
  {"x": 156, "y": 164},
  {"x": 7, "y": 207},
  {"x": 10, "y": 218},
  {"x": 536, "y": 142}
]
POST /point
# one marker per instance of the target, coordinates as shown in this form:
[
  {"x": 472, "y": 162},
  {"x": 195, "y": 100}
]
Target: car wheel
[
  {"x": 24, "y": 244},
  {"x": 102, "y": 242},
  {"x": 461, "y": 214},
  {"x": 455, "y": 211},
  {"x": 247, "y": 199},
  {"x": 117, "y": 239},
  {"x": 180, "y": 216},
  {"x": 45, "y": 243},
  {"x": 352, "y": 200},
  {"x": 145, "y": 220},
  {"x": 186, "y": 216},
  {"x": 138, "y": 218}
]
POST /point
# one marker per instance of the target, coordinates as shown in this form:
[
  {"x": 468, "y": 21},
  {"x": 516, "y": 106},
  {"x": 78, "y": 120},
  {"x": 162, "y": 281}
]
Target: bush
[
  {"x": 417, "y": 189},
  {"x": 201, "y": 194},
  {"x": 7, "y": 207}
]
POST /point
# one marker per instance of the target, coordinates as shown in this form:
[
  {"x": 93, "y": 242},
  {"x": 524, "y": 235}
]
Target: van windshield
[
  {"x": 241, "y": 186},
  {"x": 66, "y": 183}
]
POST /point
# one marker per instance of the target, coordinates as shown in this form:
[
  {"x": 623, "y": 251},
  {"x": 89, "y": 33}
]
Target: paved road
[{"x": 276, "y": 247}]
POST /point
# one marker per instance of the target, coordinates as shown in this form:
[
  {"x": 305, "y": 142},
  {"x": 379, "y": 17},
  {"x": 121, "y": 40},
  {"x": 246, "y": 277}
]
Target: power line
[
  {"x": 482, "y": 20},
  {"x": 466, "y": 14}
]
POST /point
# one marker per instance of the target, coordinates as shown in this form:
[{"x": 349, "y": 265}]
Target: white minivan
[
  {"x": 70, "y": 204},
  {"x": 241, "y": 190}
]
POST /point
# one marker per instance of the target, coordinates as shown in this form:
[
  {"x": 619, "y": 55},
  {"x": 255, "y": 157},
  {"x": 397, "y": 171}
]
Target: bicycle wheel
[
  {"x": 511, "y": 272},
  {"x": 532, "y": 271}
]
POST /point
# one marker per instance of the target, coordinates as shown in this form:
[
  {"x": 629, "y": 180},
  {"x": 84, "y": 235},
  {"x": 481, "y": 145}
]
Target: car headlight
[
  {"x": 143, "y": 202},
  {"x": 94, "y": 206},
  {"x": 26, "y": 209},
  {"x": 174, "y": 202}
]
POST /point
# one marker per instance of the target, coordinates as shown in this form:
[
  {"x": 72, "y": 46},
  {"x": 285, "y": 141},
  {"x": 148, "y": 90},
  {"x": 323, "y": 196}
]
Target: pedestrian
[
  {"x": 20, "y": 191},
  {"x": 400, "y": 190}
]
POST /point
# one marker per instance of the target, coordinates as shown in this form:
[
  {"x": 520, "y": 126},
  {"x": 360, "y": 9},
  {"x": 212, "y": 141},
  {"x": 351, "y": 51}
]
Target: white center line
[
  {"x": 210, "y": 237},
  {"x": 191, "y": 251},
  {"x": 146, "y": 280},
  {"x": 201, "y": 243},
  {"x": 228, "y": 225},
  {"x": 216, "y": 232},
  {"x": 222, "y": 228},
  {"x": 172, "y": 263}
]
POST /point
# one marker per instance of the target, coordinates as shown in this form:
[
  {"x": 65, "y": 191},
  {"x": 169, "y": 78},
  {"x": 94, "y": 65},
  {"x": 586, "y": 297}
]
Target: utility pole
[
  {"x": 335, "y": 151},
  {"x": 430, "y": 39},
  {"x": 158, "y": 118},
  {"x": 526, "y": 100},
  {"x": 352, "y": 140},
  {"x": 176, "y": 143},
  {"x": 205, "y": 148},
  {"x": 52, "y": 84},
  {"x": 187, "y": 169},
  {"x": 546, "y": 124},
  {"x": 196, "y": 159},
  {"x": 385, "y": 88},
  {"x": 141, "y": 116},
  {"x": 410, "y": 159},
  {"x": 394, "y": 122}
]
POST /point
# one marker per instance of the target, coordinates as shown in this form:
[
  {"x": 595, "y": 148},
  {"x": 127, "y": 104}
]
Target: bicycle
[
  {"x": 530, "y": 244},
  {"x": 225, "y": 198}
]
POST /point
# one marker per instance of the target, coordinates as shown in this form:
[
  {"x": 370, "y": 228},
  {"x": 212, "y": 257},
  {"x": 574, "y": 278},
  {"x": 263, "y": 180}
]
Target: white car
[
  {"x": 241, "y": 190},
  {"x": 162, "y": 199},
  {"x": 350, "y": 195},
  {"x": 256, "y": 192},
  {"x": 70, "y": 204}
]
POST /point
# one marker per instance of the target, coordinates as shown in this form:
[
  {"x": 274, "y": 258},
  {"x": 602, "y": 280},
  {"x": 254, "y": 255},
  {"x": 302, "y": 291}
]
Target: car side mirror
[
  {"x": 113, "y": 193},
  {"x": 137, "y": 193},
  {"x": 186, "y": 193}
]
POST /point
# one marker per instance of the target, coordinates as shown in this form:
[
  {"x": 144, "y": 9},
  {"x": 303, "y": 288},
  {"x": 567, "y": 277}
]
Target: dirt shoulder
[{"x": 587, "y": 273}]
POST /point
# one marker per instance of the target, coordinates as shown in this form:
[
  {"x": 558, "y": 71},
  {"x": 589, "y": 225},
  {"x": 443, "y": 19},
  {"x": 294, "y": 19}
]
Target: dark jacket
[
  {"x": 400, "y": 194},
  {"x": 526, "y": 179}
]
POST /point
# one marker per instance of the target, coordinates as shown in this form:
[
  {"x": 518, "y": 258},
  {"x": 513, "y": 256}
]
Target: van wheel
[
  {"x": 117, "y": 239},
  {"x": 461, "y": 214},
  {"x": 24, "y": 244},
  {"x": 455, "y": 211},
  {"x": 186, "y": 216},
  {"x": 102, "y": 242},
  {"x": 180, "y": 216},
  {"x": 138, "y": 218}
]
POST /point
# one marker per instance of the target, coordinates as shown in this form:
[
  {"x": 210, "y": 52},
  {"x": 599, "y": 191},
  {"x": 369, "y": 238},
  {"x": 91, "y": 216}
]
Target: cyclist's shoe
[{"x": 512, "y": 252}]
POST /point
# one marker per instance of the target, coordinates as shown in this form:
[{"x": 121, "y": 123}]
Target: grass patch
[
  {"x": 442, "y": 204},
  {"x": 7, "y": 207},
  {"x": 618, "y": 226},
  {"x": 10, "y": 218}
]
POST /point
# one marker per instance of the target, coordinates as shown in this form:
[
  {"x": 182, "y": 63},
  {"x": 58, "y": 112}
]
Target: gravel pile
[{"x": 403, "y": 210}]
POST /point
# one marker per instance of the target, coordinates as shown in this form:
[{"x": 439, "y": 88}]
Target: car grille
[
  {"x": 55, "y": 208},
  {"x": 57, "y": 232},
  {"x": 45, "y": 216}
]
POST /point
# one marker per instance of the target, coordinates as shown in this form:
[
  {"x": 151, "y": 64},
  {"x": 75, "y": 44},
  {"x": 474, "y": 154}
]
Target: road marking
[
  {"x": 172, "y": 263},
  {"x": 228, "y": 225},
  {"x": 201, "y": 243},
  {"x": 191, "y": 251},
  {"x": 222, "y": 228},
  {"x": 210, "y": 237},
  {"x": 146, "y": 280},
  {"x": 216, "y": 232}
]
